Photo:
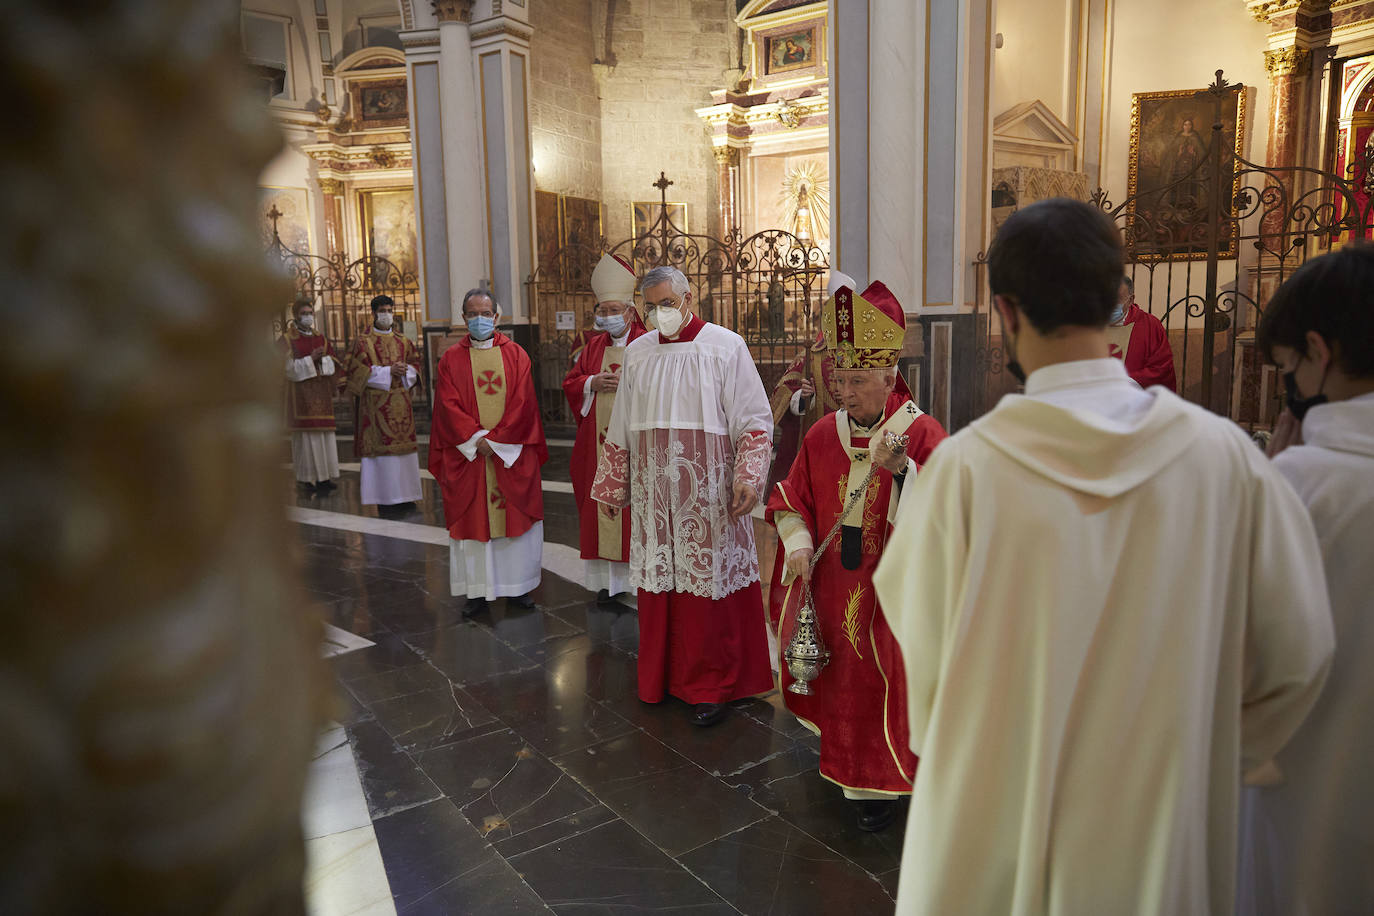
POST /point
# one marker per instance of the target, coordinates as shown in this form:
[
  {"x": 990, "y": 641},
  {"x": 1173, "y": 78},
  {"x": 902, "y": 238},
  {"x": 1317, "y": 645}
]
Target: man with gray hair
[{"x": 687, "y": 449}]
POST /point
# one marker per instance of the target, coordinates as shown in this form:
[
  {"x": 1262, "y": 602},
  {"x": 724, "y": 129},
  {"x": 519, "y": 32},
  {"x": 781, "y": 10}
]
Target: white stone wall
[
  {"x": 669, "y": 55},
  {"x": 565, "y": 113}
]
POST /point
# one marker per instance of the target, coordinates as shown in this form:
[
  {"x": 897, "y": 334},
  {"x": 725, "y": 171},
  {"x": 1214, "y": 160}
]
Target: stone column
[
  {"x": 1288, "y": 69},
  {"x": 444, "y": 125},
  {"x": 161, "y": 679},
  {"x": 910, "y": 134},
  {"x": 501, "y": 51},
  {"x": 331, "y": 190},
  {"x": 727, "y": 178}
]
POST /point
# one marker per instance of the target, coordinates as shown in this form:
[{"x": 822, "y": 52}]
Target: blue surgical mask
[
  {"x": 480, "y": 327},
  {"x": 611, "y": 324},
  {"x": 1118, "y": 313}
]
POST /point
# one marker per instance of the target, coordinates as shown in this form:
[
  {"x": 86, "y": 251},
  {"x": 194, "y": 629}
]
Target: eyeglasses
[{"x": 669, "y": 303}]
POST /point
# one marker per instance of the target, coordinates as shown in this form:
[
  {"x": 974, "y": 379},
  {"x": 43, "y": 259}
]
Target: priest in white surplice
[
  {"x": 687, "y": 450},
  {"x": 311, "y": 383},
  {"x": 1108, "y": 605}
]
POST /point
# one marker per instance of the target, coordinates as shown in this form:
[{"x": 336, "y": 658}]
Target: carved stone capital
[
  {"x": 1264, "y": 10},
  {"x": 726, "y": 155},
  {"x": 331, "y": 185},
  {"x": 453, "y": 10},
  {"x": 1286, "y": 61}
]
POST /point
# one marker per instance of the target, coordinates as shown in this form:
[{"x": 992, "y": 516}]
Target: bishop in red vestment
[
  {"x": 384, "y": 368},
  {"x": 687, "y": 451},
  {"x": 485, "y": 449},
  {"x": 312, "y": 378},
  {"x": 1140, "y": 339},
  {"x": 590, "y": 386},
  {"x": 858, "y": 707}
]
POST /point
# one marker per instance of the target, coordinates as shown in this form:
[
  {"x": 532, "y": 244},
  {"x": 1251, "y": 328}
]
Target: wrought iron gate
[
  {"x": 1205, "y": 253},
  {"x": 767, "y": 287},
  {"x": 342, "y": 292}
]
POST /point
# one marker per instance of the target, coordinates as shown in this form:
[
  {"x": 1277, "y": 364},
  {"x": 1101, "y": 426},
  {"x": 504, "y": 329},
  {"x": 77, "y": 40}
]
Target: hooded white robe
[
  {"x": 1100, "y": 618},
  {"x": 1307, "y": 840}
]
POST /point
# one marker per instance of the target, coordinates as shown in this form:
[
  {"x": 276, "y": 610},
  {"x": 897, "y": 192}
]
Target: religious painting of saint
[
  {"x": 581, "y": 223},
  {"x": 791, "y": 50},
  {"x": 646, "y": 216},
  {"x": 381, "y": 103},
  {"x": 1169, "y": 181},
  {"x": 293, "y": 221},
  {"x": 389, "y": 229}
]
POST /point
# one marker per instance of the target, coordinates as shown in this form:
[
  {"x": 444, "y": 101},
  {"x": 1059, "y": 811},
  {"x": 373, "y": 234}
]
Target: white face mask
[
  {"x": 669, "y": 320},
  {"x": 306, "y": 321},
  {"x": 383, "y": 321}
]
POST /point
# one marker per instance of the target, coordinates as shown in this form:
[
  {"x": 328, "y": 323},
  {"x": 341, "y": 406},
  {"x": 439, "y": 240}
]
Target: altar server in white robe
[
  {"x": 1109, "y": 604},
  {"x": 687, "y": 450},
  {"x": 1307, "y": 826}
]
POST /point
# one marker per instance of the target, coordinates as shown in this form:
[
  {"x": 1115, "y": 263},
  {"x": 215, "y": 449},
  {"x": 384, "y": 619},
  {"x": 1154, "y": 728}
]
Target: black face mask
[
  {"x": 1013, "y": 366},
  {"x": 1297, "y": 404}
]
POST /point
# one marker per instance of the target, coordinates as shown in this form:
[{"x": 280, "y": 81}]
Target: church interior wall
[
  {"x": 1180, "y": 44},
  {"x": 1039, "y": 56},
  {"x": 669, "y": 55},
  {"x": 565, "y": 111}
]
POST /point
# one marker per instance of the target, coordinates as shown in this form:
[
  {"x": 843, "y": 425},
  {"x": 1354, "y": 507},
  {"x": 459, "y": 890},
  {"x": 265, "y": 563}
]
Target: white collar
[
  {"x": 620, "y": 341},
  {"x": 377, "y": 330},
  {"x": 1075, "y": 374},
  {"x": 483, "y": 344}
]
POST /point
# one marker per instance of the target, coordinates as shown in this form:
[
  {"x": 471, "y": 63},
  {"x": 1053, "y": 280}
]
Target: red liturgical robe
[
  {"x": 1144, "y": 343},
  {"x": 310, "y": 403},
  {"x": 859, "y": 705},
  {"x": 384, "y": 420},
  {"x": 491, "y": 389},
  {"x": 604, "y": 530}
]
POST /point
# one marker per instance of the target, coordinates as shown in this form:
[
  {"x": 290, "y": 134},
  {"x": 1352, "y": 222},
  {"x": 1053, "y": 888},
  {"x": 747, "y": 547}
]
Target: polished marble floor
[{"x": 506, "y": 765}]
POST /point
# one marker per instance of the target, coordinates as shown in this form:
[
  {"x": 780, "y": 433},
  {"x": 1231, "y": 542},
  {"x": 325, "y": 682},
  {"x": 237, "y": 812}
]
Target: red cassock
[
  {"x": 604, "y": 532},
  {"x": 1149, "y": 358},
  {"x": 859, "y": 705},
  {"x": 491, "y": 389}
]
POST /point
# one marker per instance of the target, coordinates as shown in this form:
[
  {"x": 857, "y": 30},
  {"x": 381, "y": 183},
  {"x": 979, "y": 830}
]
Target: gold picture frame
[
  {"x": 794, "y": 48},
  {"x": 1166, "y": 181},
  {"x": 579, "y": 222},
  {"x": 645, "y": 215}
]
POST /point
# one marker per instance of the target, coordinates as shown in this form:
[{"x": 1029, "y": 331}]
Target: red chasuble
[
  {"x": 859, "y": 705},
  {"x": 604, "y": 531},
  {"x": 1144, "y": 343},
  {"x": 310, "y": 404},
  {"x": 384, "y": 421},
  {"x": 491, "y": 389}
]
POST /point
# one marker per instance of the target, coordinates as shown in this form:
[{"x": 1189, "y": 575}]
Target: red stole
[
  {"x": 604, "y": 531},
  {"x": 490, "y": 389},
  {"x": 310, "y": 403}
]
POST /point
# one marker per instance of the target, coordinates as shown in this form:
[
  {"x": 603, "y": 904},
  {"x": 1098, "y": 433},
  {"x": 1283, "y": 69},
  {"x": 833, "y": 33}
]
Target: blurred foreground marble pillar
[{"x": 159, "y": 681}]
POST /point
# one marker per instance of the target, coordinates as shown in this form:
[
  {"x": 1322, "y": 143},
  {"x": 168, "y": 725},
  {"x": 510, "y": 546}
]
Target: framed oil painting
[
  {"x": 389, "y": 227},
  {"x": 581, "y": 222},
  {"x": 546, "y": 238},
  {"x": 790, "y": 50},
  {"x": 381, "y": 103},
  {"x": 645, "y": 216},
  {"x": 1169, "y": 177}
]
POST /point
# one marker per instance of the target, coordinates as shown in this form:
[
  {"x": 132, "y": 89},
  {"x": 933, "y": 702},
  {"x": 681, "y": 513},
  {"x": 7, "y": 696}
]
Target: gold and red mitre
[
  {"x": 864, "y": 331},
  {"x": 613, "y": 280}
]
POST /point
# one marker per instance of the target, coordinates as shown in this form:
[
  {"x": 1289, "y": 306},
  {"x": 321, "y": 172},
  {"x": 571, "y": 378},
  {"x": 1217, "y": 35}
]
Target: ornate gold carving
[
  {"x": 382, "y": 157},
  {"x": 726, "y": 155},
  {"x": 453, "y": 10},
  {"x": 1286, "y": 61},
  {"x": 323, "y": 112},
  {"x": 790, "y": 114},
  {"x": 331, "y": 185}
]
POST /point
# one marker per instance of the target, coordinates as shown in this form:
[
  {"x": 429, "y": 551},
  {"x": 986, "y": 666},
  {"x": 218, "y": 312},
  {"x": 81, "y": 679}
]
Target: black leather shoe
[
  {"x": 603, "y": 596},
  {"x": 324, "y": 486},
  {"x": 473, "y": 607},
  {"x": 876, "y": 814},
  {"x": 708, "y": 713},
  {"x": 524, "y": 601}
]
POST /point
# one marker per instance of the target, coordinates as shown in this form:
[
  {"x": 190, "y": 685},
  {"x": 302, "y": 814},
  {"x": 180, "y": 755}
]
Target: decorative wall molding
[
  {"x": 1286, "y": 61},
  {"x": 453, "y": 10}
]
